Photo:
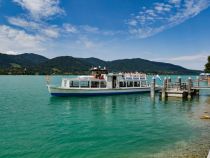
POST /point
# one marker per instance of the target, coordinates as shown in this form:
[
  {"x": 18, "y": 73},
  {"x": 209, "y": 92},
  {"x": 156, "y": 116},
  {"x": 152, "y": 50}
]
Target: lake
[{"x": 34, "y": 124}]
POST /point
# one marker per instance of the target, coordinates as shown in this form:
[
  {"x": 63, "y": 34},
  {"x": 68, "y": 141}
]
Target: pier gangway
[{"x": 184, "y": 89}]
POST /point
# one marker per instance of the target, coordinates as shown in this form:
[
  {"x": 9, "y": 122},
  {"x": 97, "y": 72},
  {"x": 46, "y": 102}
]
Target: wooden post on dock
[
  {"x": 179, "y": 82},
  {"x": 189, "y": 87},
  {"x": 152, "y": 90},
  {"x": 164, "y": 88},
  {"x": 196, "y": 91},
  {"x": 169, "y": 79},
  {"x": 198, "y": 81}
]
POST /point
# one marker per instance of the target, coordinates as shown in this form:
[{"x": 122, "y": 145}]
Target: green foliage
[
  {"x": 32, "y": 64},
  {"x": 207, "y": 66},
  {"x": 15, "y": 65}
]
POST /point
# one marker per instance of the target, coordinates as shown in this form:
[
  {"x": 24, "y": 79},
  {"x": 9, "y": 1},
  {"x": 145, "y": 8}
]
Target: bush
[{"x": 207, "y": 66}]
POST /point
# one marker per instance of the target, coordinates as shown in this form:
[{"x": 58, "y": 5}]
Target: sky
[{"x": 173, "y": 31}]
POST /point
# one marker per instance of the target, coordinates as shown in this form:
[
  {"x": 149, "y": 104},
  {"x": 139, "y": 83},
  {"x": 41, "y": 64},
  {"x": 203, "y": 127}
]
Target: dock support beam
[
  {"x": 179, "y": 82},
  {"x": 198, "y": 84},
  {"x": 164, "y": 89},
  {"x": 189, "y": 87},
  {"x": 169, "y": 79},
  {"x": 152, "y": 91},
  {"x": 198, "y": 81}
]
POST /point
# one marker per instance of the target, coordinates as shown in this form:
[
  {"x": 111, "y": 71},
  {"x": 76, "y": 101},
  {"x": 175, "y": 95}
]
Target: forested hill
[{"x": 30, "y": 63}]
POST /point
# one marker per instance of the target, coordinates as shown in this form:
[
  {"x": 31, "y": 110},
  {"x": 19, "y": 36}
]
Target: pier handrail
[{"x": 177, "y": 86}]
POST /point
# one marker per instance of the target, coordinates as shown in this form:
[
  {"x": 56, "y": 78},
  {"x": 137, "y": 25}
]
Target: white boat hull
[{"x": 62, "y": 92}]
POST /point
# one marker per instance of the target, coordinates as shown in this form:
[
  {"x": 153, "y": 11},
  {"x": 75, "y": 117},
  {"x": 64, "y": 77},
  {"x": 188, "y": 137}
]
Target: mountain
[
  {"x": 30, "y": 63},
  {"x": 142, "y": 65},
  {"x": 64, "y": 64},
  {"x": 23, "y": 60},
  {"x": 95, "y": 61}
]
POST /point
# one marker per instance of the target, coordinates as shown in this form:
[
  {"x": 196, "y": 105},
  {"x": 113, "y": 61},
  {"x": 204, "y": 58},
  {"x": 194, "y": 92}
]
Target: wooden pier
[{"x": 186, "y": 89}]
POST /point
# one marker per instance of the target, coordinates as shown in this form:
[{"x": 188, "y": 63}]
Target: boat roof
[
  {"x": 205, "y": 74},
  {"x": 84, "y": 79}
]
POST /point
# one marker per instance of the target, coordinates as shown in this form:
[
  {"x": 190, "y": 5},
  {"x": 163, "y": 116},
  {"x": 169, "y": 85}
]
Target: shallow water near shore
[{"x": 34, "y": 124}]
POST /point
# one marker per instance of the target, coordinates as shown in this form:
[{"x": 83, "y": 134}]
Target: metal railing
[{"x": 176, "y": 86}]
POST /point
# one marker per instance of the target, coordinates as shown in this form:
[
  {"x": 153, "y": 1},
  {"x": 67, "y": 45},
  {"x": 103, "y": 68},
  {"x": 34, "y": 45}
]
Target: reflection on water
[
  {"x": 33, "y": 124},
  {"x": 166, "y": 123}
]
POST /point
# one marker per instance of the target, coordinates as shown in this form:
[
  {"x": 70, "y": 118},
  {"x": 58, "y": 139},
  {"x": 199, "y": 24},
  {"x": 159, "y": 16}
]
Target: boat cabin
[{"x": 100, "y": 78}]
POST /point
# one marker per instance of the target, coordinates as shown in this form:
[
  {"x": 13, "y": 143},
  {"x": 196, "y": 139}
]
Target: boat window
[
  {"x": 122, "y": 84},
  {"x": 103, "y": 84},
  {"x": 130, "y": 84},
  {"x": 143, "y": 84},
  {"x": 94, "y": 84},
  {"x": 84, "y": 84},
  {"x": 74, "y": 84},
  {"x": 137, "y": 84},
  {"x": 109, "y": 79},
  {"x": 65, "y": 83}
]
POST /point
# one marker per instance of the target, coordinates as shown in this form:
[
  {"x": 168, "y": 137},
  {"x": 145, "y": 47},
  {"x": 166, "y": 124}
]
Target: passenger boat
[{"x": 100, "y": 82}]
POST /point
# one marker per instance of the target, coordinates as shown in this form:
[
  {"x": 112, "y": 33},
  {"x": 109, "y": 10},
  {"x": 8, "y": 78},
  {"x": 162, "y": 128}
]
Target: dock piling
[
  {"x": 186, "y": 89},
  {"x": 164, "y": 88},
  {"x": 179, "y": 82},
  {"x": 189, "y": 87},
  {"x": 198, "y": 81},
  {"x": 152, "y": 91},
  {"x": 169, "y": 79}
]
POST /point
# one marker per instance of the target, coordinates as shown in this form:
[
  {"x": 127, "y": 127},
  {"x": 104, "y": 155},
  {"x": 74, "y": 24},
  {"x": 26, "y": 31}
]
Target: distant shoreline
[
  {"x": 86, "y": 74},
  {"x": 34, "y": 64}
]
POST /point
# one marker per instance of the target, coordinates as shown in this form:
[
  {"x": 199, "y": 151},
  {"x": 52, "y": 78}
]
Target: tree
[{"x": 207, "y": 66}]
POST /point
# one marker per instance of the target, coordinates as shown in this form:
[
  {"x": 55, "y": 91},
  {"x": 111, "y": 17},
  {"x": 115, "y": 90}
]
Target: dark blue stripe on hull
[{"x": 93, "y": 94}]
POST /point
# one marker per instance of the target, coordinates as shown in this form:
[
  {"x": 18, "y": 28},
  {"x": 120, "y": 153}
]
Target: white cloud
[
  {"x": 13, "y": 40},
  {"x": 36, "y": 21},
  {"x": 176, "y": 2},
  {"x": 194, "y": 61},
  {"x": 17, "y": 21},
  {"x": 41, "y": 28},
  {"x": 162, "y": 7},
  {"x": 11, "y": 53},
  {"x": 70, "y": 28},
  {"x": 162, "y": 16},
  {"x": 51, "y": 32},
  {"x": 90, "y": 29},
  {"x": 32, "y": 32},
  {"x": 39, "y": 9},
  {"x": 54, "y": 31},
  {"x": 133, "y": 22},
  {"x": 85, "y": 42},
  {"x": 186, "y": 58}
]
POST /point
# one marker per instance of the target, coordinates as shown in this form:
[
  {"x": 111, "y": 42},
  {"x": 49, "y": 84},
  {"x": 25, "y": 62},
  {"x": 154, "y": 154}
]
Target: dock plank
[{"x": 204, "y": 87}]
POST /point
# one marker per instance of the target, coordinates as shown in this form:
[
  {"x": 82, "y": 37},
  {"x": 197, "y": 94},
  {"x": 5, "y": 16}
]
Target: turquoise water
[{"x": 34, "y": 124}]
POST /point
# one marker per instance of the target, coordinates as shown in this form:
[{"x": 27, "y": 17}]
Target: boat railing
[
  {"x": 134, "y": 77},
  {"x": 84, "y": 79}
]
